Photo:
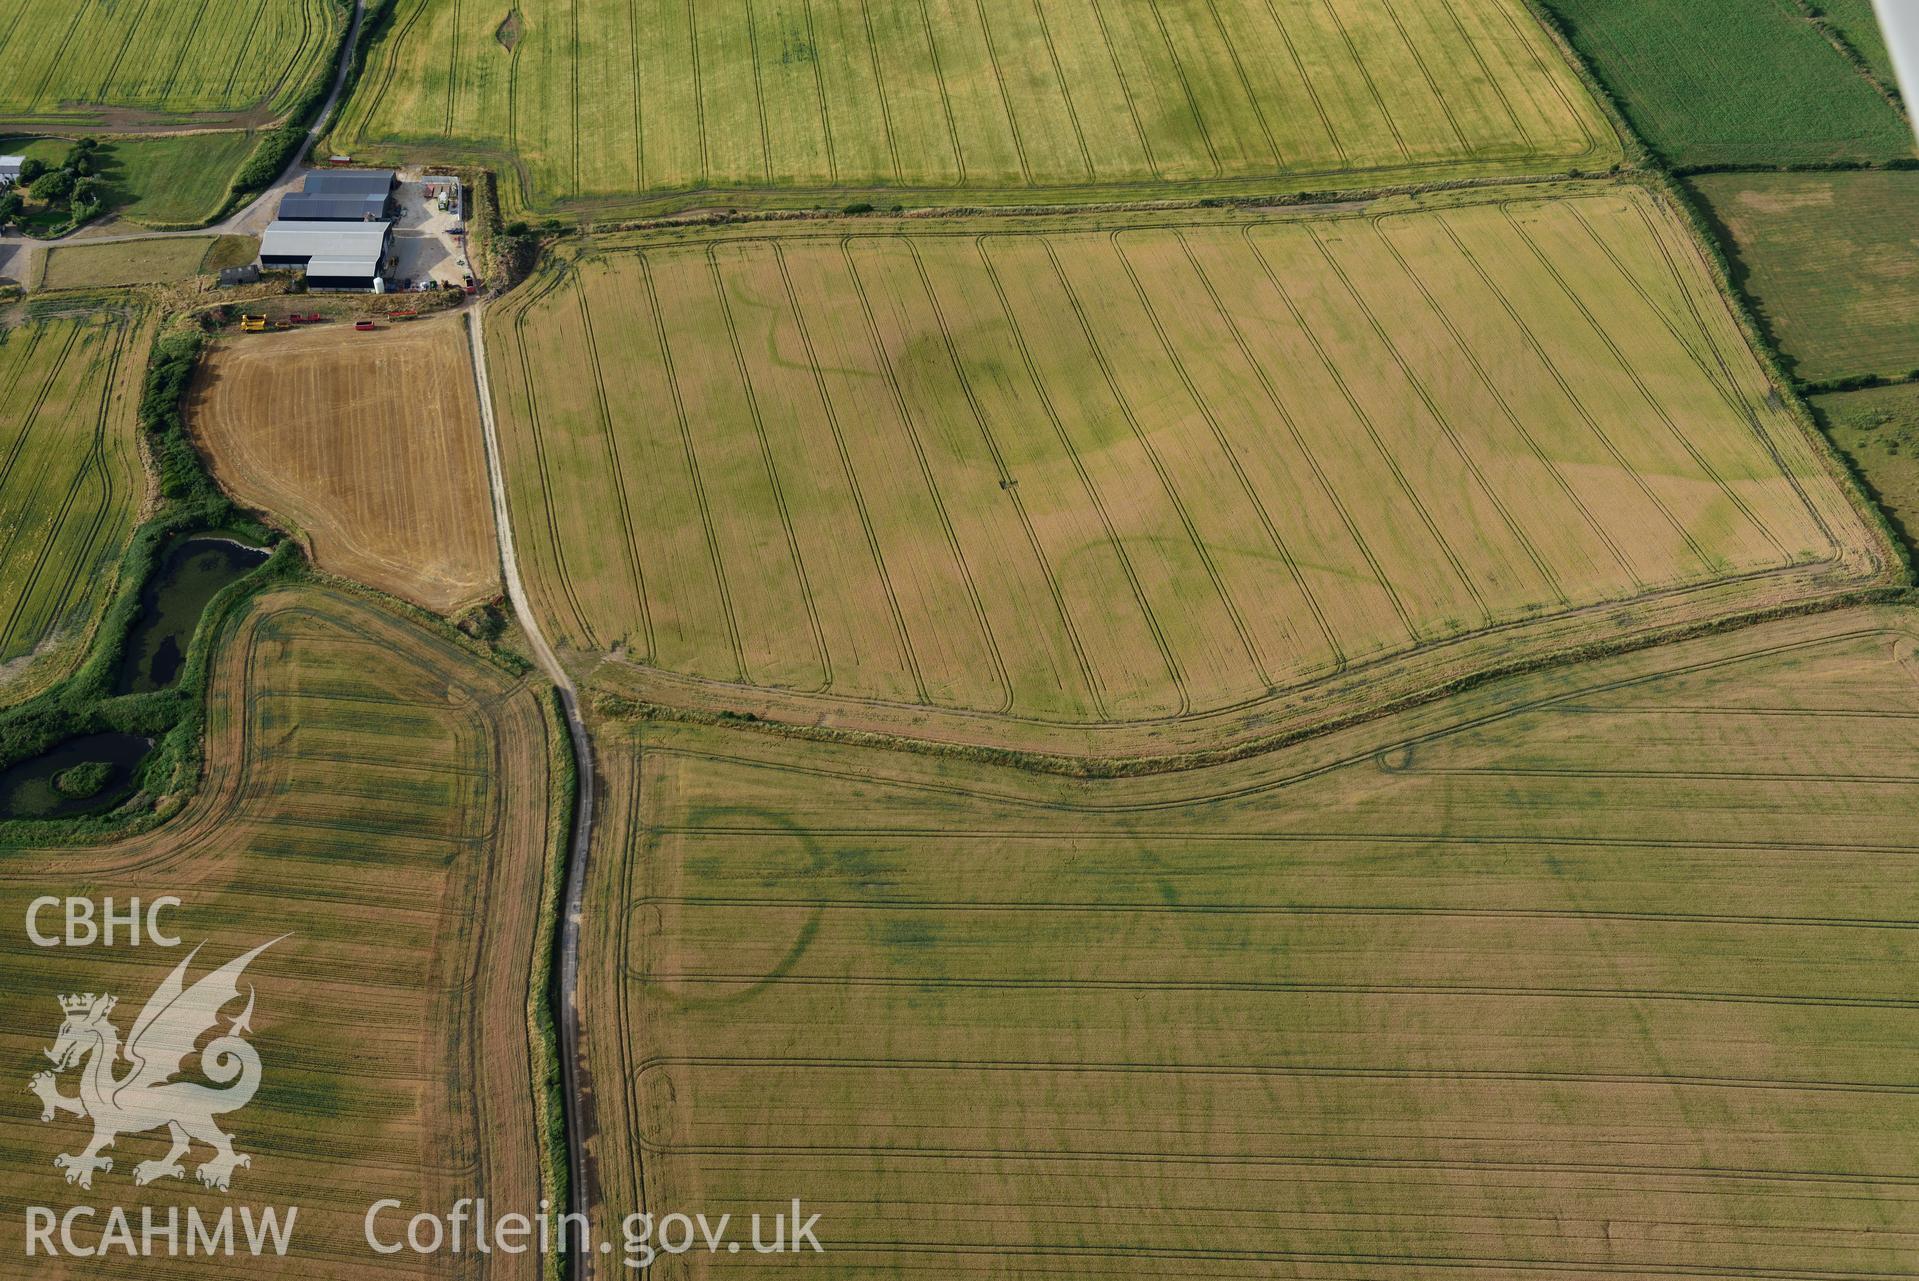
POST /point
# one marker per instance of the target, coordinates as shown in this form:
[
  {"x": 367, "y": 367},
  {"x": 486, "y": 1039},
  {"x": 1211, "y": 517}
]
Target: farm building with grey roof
[{"x": 334, "y": 255}]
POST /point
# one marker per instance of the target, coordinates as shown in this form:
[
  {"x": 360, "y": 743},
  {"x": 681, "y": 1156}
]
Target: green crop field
[
  {"x": 1831, "y": 262},
  {"x": 1734, "y": 82},
  {"x": 1142, "y": 469},
  {"x": 1878, "y": 429},
  {"x": 88, "y": 61},
  {"x": 376, "y": 799},
  {"x": 1858, "y": 25},
  {"x": 1067, "y": 99},
  {"x": 70, "y": 481},
  {"x": 1595, "y": 972}
]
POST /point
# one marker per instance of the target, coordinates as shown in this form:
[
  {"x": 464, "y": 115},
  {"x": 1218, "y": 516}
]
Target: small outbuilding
[
  {"x": 10, "y": 170},
  {"x": 342, "y": 195},
  {"x": 334, "y": 255}
]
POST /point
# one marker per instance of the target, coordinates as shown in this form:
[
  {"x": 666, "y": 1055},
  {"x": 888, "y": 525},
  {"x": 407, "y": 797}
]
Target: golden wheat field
[
  {"x": 378, "y": 796},
  {"x": 1600, "y": 971},
  {"x": 665, "y": 102},
  {"x": 70, "y": 482},
  {"x": 1170, "y": 472}
]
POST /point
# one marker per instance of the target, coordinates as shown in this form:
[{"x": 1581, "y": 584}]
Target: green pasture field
[
  {"x": 1859, "y": 25},
  {"x": 83, "y": 63},
  {"x": 1831, "y": 261},
  {"x": 157, "y": 179},
  {"x": 79, "y": 265},
  {"x": 946, "y": 100},
  {"x": 70, "y": 478},
  {"x": 1734, "y": 82},
  {"x": 375, "y": 799},
  {"x": 1878, "y": 429},
  {"x": 1138, "y": 469},
  {"x": 1603, "y": 971}
]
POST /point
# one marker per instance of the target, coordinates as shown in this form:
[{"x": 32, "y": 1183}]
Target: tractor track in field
[{"x": 577, "y": 1085}]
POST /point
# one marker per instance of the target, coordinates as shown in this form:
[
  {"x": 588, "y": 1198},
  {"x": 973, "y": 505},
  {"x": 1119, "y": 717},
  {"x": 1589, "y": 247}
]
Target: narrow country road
[
  {"x": 15, "y": 250},
  {"x": 572, "y": 905},
  {"x": 250, "y": 221}
]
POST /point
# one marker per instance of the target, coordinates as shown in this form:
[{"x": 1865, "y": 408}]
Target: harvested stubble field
[
  {"x": 70, "y": 479},
  {"x": 1734, "y": 82},
  {"x": 1831, "y": 262},
  {"x": 381, "y": 795},
  {"x": 368, "y": 444},
  {"x": 75, "y": 62},
  {"x": 1603, "y": 972},
  {"x": 996, "y": 478},
  {"x": 1070, "y": 99}
]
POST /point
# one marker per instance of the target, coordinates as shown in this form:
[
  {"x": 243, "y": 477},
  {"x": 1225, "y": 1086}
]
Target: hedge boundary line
[
  {"x": 543, "y": 996},
  {"x": 618, "y": 707}
]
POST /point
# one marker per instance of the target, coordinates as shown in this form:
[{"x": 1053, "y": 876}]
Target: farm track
[
  {"x": 581, "y": 1126},
  {"x": 580, "y": 1112}
]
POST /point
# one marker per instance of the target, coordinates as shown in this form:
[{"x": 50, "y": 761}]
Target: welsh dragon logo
[{"x": 145, "y": 1096}]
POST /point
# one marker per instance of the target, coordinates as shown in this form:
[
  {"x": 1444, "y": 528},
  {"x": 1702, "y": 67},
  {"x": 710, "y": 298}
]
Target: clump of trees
[
  {"x": 83, "y": 780},
  {"x": 72, "y": 187}
]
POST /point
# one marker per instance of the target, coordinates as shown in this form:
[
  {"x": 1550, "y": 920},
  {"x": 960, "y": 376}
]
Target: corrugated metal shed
[
  {"x": 306, "y": 207},
  {"x": 349, "y": 182},
  {"x": 345, "y": 249}
]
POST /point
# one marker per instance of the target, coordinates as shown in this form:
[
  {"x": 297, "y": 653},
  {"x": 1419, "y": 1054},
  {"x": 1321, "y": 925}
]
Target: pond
[
  {"x": 191, "y": 572},
  {"x": 86, "y": 775}
]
